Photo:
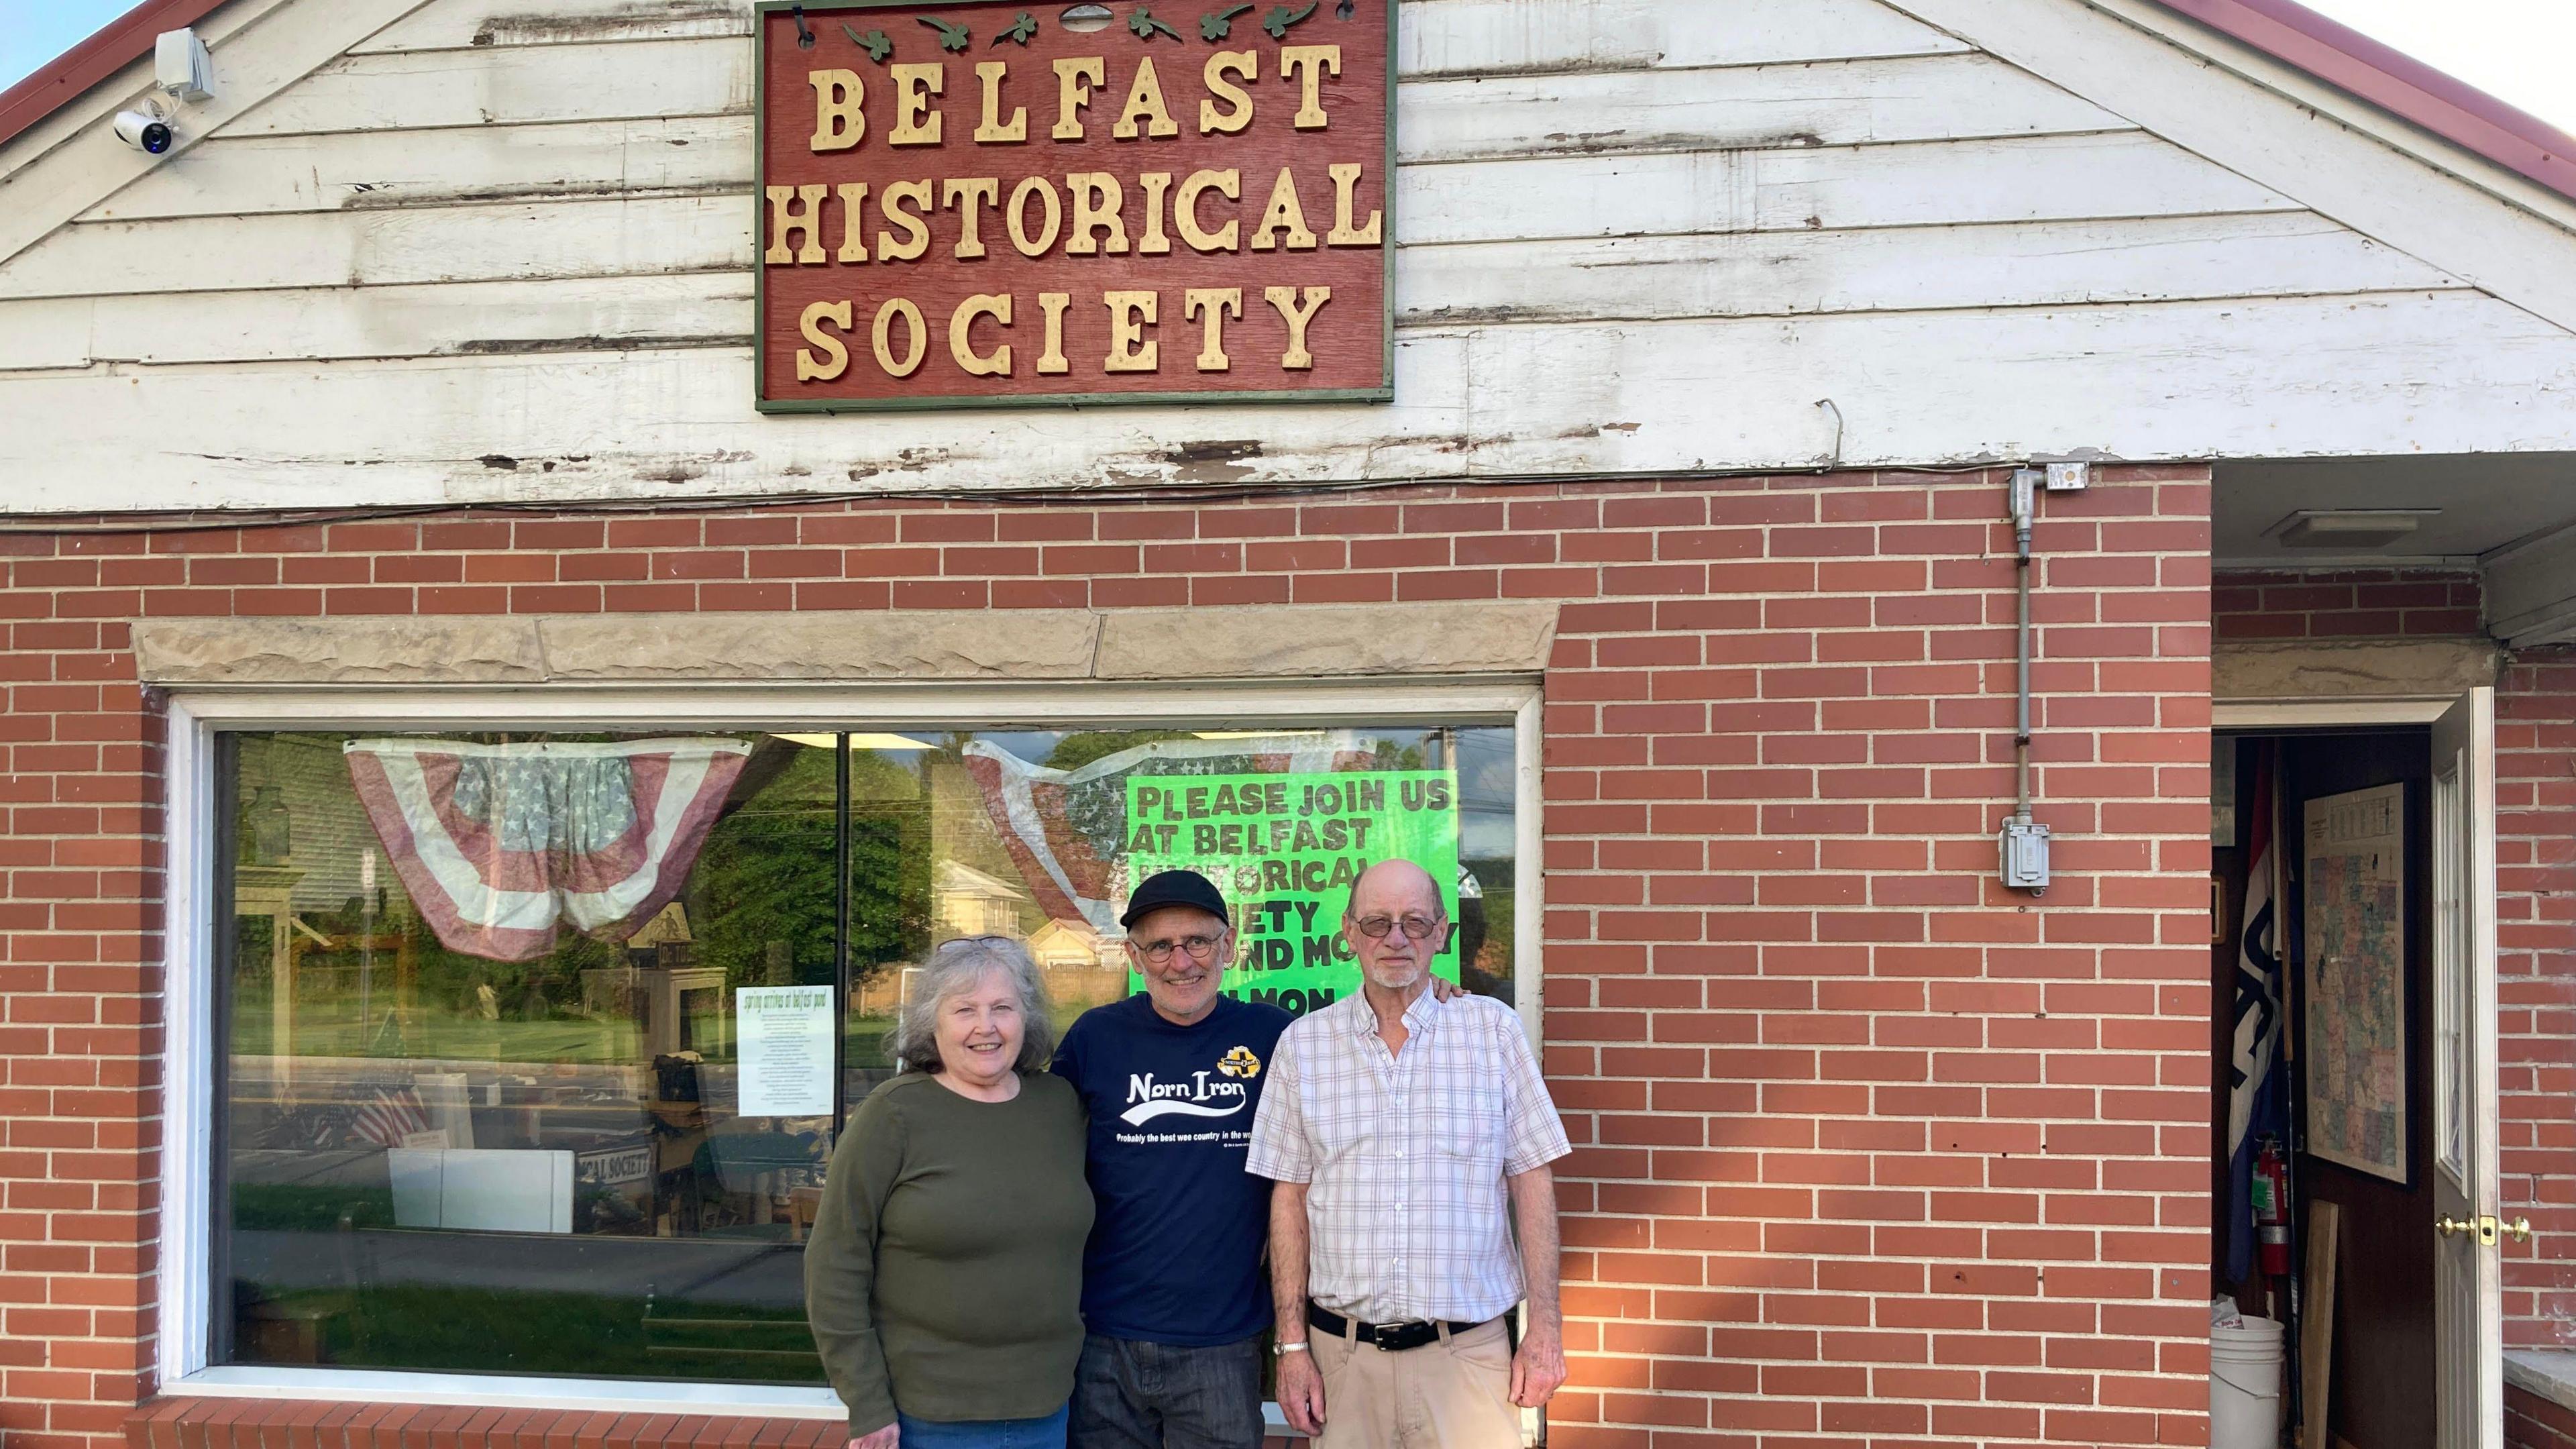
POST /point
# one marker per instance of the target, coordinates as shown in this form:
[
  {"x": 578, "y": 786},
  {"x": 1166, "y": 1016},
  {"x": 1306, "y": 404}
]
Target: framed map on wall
[{"x": 2353, "y": 969}]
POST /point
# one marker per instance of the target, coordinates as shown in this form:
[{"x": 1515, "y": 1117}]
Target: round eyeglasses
[
  {"x": 1197, "y": 948},
  {"x": 1416, "y": 928}
]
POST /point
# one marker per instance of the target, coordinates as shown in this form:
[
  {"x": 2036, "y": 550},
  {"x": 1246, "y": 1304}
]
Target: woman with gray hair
[{"x": 944, "y": 1276}]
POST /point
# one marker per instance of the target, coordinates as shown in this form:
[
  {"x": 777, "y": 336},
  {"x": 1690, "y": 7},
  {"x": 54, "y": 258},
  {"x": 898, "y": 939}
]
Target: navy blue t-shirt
[{"x": 1175, "y": 1252}]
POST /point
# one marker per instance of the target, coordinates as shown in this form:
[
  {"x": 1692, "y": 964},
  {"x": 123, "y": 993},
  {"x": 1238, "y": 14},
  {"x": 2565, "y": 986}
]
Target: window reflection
[
  {"x": 1031, "y": 835},
  {"x": 472, "y": 1130},
  {"x": 486, "y": 1081}
]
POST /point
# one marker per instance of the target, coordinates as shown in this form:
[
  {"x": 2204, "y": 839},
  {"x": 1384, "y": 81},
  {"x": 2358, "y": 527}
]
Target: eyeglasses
[
  {"x": 1416, "y": 928},
  {"x": 1198, "y": 948}
]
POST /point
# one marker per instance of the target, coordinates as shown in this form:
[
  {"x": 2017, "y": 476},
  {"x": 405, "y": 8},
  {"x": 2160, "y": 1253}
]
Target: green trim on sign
[
  {"x": 878, "y": 45},
  {"x": 1143, "y": 23},
  {"x": 1384, "y": 392},
  {"x": 952, "y": 38},
  {"x": 1281, "y": 17},
  {"x": 1386, "y": 239}
]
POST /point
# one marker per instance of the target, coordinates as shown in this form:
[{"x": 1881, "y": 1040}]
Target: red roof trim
[
  {"x": 2396, "y": 83},
  {"x": 123, "y": 41}
]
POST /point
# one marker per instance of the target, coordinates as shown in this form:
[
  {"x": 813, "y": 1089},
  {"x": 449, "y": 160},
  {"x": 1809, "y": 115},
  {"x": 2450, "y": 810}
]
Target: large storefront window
[{"x": 536, "y": 1044}]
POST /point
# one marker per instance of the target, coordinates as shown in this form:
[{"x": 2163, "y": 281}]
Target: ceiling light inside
[{"x": 2348, "y": 530}]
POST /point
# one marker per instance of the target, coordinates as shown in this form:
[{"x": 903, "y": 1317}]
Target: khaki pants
[{"x": 1453, "y": 1394}]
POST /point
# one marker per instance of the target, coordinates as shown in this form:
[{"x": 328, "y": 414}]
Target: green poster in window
[{"x": 1283, "y": 851}]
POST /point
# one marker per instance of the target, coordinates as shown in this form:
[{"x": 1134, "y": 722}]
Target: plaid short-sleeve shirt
[{"x": 1404, "y": 1155}]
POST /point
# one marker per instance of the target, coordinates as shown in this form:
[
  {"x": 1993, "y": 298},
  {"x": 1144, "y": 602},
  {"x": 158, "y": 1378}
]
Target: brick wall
[
  {"x": 2532, "y": 1422},
  {"x": 1869, "y": 1148},
  {"x": 2345, "y": 603},
  {"x": 2536, "y": 990}
]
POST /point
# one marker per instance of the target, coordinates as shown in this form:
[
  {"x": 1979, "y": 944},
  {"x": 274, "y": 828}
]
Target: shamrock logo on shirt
[{"x": 1240, "y": 1062}]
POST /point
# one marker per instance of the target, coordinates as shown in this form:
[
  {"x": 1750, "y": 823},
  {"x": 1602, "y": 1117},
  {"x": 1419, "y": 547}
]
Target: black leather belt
[{"x": 1392, "y": 1337}]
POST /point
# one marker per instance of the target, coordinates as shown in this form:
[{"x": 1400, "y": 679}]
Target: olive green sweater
[{"x": 944, "y": 1274}]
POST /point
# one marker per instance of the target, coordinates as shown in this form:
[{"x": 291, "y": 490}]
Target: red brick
[{"x": 1834, "y": 1093}]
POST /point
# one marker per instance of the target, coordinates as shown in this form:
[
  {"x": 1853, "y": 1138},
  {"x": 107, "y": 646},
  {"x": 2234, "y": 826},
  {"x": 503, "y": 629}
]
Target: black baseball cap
[{"x": 1173, "y": 888}]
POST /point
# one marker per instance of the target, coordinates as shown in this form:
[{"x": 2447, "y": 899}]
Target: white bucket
[{"x": 2245, "y": 1386}]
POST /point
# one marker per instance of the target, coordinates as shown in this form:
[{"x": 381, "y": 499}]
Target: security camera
[{"x": 144, "y": 132}]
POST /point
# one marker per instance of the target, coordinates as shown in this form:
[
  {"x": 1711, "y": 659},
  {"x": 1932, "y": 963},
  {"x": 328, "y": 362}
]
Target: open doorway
[
  {"x": 2353, "y": 1170},
  {"x": 2343, "y": 1126}
]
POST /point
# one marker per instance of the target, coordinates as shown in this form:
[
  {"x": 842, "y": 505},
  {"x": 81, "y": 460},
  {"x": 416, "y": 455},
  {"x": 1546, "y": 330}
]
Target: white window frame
[{"x": 197, "y": 715}]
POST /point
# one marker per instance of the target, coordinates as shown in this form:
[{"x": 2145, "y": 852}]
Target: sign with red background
[{"x": 981, "y": 204}]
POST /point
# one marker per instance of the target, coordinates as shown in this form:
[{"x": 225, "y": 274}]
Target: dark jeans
[
  {"x": 1046, "y": 1433},
  {"x": 1129, "y": 1394}
]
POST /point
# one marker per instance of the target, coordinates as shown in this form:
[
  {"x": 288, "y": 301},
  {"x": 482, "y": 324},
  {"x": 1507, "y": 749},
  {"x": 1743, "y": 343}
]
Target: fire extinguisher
[{"x": 2272, "y": 1207}]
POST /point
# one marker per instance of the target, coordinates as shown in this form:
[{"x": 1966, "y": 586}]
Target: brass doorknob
[{"x": 2486, "y": 1230}]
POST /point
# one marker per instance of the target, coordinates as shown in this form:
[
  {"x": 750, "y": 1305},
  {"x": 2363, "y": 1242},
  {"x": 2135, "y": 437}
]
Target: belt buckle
[{"x": 1405, "y": 1337}]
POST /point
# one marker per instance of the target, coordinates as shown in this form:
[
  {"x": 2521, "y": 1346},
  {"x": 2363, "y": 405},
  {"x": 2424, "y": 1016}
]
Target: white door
[{"x": 2467, "y": 1266}]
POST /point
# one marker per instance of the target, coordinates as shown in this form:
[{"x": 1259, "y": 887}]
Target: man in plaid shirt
[{"x": 1399, "y": 1129}]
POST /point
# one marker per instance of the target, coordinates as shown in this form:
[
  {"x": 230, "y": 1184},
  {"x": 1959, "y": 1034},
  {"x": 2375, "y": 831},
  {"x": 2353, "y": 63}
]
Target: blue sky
[
  {"x": 35, "y": 31},
  {"x": 2518, "y": 49}
]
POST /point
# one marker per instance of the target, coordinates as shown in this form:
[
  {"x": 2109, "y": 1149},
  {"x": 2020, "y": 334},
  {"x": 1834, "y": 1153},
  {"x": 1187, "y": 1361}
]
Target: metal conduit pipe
[
  {"x": 2023, "y": 843},
  {"x": 2025, "y": 507}
]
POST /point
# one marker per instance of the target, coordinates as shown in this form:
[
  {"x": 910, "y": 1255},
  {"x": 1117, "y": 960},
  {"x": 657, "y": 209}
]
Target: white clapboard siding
[
  {"x": 2301, "y": 376},
  {"x": 2054, "y": 264},
  {"x": 486, "y": 318},
  {"x": 475, "y": 24},
  {"x": 1772, "y": 274},
  {"x": 516, "y": 85},
  {"x": 665, "y": 425},
  {"x": 1653, "y": 233},
  {"x": 354, "y": 248},
  {"x": 2285, "y": 378},
  {"x": 1656, "y": 193},
  {"x": 1807, "y": 102},
  {"x": 1460, "y": 37},
  {"x": 1834, "y": 103},
  {"x": 375, "y": 170},
  {"x": 1832, "y": 187},
  {"x": 1831, "y": 104},
  {"x": 513, "y": 86},
  {"x": 1449, "y": 36}
]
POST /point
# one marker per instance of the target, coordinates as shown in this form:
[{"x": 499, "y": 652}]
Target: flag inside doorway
[{"x": 2255, "y": 1082}]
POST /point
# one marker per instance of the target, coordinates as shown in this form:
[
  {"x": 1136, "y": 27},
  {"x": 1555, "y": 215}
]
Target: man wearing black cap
[{"x": 1172, "y": 1292}]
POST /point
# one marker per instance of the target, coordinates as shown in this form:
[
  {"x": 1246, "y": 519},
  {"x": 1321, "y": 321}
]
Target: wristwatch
[{"x": 1282, "y": 1350}]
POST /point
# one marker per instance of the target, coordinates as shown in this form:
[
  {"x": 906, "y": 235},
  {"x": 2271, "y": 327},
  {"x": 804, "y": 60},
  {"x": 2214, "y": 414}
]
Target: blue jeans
[
  {"x": 1129, "y": 1394},
  {"x": 1046, "y": 1433}
]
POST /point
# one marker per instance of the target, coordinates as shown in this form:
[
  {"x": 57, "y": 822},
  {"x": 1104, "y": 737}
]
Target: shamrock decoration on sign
[
  {"x": 1021, "y": 29},
  {"x": 1220, "y": 25},
  {"x": 1281, "y": 17},
  {"x": 955, "y": 37},
  {"x": 874, "y": 42},
  {"x": 1144, "y": 24}
]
